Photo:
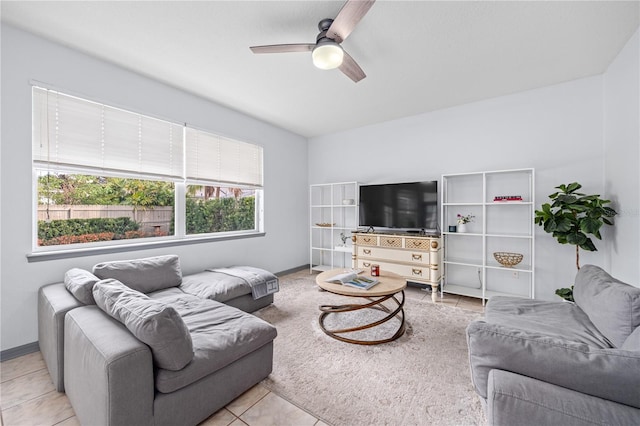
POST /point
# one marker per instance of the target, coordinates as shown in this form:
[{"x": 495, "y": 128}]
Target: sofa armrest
[
  {"x": 514, "y": 399},
  {"x": 54, "y": 301},
  {"x": 611, "y": 374},
  {"x": 108, "y": 373}
]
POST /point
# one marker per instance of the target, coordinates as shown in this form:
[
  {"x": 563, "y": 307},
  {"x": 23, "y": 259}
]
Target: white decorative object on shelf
[
  {"x": 508, "y": 260},
  {"x": 463, "y": 220}
]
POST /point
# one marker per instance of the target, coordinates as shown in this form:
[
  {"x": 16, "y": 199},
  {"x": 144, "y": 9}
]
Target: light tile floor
[{"x": 28, "y": 398}]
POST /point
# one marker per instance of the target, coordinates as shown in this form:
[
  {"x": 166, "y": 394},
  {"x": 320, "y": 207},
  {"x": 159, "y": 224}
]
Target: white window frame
[{"x": 179, "y": 238}]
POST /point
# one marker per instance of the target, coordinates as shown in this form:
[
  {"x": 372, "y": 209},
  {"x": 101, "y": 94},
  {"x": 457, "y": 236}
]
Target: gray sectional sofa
[
  {"x": 136, "y": 343},
  {"x": 541, "y": 363}
]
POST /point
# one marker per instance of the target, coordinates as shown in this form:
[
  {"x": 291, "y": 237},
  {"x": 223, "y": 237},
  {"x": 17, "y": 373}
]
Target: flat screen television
[{"x": 407, "y": 206}]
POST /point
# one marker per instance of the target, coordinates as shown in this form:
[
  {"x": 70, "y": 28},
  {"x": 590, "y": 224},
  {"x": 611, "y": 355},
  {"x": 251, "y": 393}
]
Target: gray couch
[
  {"x": 135, "y": 342},
  {"x": 539, "y": 363}
]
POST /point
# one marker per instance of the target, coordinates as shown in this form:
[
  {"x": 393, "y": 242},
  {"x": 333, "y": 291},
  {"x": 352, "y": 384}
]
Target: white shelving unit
[
  {"x": 333, "y": 211},
  {"x": 470, "y": 268}
]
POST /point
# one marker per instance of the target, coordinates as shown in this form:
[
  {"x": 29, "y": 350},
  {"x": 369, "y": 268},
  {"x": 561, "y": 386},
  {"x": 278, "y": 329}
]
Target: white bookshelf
[
  {"x": 333, "y": 211},
  {"x": 470, "y": 268}
]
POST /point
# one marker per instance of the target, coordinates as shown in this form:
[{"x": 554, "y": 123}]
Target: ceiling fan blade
[
  {"x": 283, "y": 48},
  {"x": 348, "y": 17},
  {"x": 351, "y": 69}
]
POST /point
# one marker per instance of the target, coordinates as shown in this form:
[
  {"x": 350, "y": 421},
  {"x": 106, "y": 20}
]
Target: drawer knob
[
  {"x": 390, "y": 241},
  {"x": 366, "y": 264},
  {"x": 417, "y": 271},
  {"x": 416, "y": 243},
  {"x": 416, "y": 256},
  {"x": 366, "y": 251}
]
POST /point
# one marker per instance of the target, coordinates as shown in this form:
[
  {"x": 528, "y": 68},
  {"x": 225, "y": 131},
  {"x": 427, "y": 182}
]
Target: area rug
[{"x": 422, "y": 378}]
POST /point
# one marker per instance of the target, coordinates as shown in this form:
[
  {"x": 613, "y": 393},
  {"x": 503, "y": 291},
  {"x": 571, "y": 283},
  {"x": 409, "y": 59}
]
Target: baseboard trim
[
  {"x": 19, "y": 351},
  {"x": 292, "y": 270}
]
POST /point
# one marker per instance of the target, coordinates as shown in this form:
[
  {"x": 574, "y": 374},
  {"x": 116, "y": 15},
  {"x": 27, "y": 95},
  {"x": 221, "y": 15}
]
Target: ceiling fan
[{"x": 326, "y": 52}]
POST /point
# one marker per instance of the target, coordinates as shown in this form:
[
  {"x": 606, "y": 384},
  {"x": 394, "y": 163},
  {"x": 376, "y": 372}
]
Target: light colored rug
[{"x": 420, "y": 379}]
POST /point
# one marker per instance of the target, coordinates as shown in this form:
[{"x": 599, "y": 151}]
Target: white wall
[
  {"x": 557, "y": 130},
  {"x": 622, "y": 160},
  {"x": 26, "y": 57}
]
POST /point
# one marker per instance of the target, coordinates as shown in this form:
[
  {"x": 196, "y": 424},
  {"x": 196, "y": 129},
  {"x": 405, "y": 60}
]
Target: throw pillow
[
  {"x": 145, "y": 275},
  {"x": 80, "y": 283},
  {"x": 150, "y": 321},
  {"x": 612, "y": 306}
]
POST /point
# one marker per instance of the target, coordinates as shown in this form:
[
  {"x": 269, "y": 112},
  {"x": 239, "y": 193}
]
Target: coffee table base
[{"x": 376, "y": 303}]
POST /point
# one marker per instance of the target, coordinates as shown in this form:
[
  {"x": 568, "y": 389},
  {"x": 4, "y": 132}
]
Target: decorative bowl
[
  {"x": 348, "y": 201},
  {"x": 506, "y": 259}
]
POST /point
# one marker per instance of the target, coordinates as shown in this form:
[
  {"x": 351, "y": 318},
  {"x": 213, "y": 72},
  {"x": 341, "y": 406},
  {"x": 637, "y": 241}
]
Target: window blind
[
  {"x": 70, "y": 132},
  {"x": 220, "y": 160}
]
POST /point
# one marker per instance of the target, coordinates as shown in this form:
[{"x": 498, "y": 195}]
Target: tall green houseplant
[{"x": 571, "y": 217}]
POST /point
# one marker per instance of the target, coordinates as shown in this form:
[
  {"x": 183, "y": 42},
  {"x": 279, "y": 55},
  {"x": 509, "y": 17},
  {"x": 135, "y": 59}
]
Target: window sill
[{"x": 92, "y": 251}]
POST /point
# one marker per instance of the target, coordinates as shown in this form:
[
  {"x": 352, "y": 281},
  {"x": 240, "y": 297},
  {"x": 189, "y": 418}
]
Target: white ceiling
[{"x": 419, "y": 56}]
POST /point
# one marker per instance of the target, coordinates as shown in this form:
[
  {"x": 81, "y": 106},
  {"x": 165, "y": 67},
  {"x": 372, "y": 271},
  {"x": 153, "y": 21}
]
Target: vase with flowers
[{"x": 463, "y": 220}]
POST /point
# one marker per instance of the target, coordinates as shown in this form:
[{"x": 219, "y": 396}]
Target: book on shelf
[
  {"x": 352, "y": 279},
  {"x": 506, "y": 198}
]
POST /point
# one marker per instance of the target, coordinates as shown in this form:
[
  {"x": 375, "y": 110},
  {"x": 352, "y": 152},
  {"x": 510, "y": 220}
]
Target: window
[
  {"x": 106, "y": 174},
  {"x": 212, "y": 209},
  {"x": 79, "y": 208}
]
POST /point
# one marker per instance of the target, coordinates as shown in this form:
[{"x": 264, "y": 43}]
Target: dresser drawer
[
  {"x": 394, "y": 255},
  {"x": 366, "y": 252},
  {"x": 388, "y": 241},
  {"x": 427, "y": 274},
  {"x": 384, "y": 266},
  {"x": 419, "y": 273},
  {"x": 371, "y": 252},
  {"x": 417, "y": 257},
  {"x": 412, "y": 273},
  {"x": 422, "y": 274},
  {"x": 366, "y": 240},
  {"x": 417, "y": 243},
  {"x": 365, "y": 264}
]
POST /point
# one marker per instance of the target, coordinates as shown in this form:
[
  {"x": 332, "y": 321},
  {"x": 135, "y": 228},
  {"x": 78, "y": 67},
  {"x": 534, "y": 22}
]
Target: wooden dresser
[{"x": 416, "y": 258}]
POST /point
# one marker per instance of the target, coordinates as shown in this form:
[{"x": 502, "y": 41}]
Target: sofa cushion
[
  {"x": 543, "y": 317},
  {"x": 215, "y": 286},
  {"x": 220, "y": 334},
  {"x": 612, "y": 306},
  {"x": 80, "y": 283},
  {"x": 605, "y": 373},
  {"x": 151, "y": 321},
  {"x": 145, "y": 275}
]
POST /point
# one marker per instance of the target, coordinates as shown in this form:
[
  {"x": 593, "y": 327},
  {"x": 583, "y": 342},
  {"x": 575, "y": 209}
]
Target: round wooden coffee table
[{"x": 388, "y": 288}]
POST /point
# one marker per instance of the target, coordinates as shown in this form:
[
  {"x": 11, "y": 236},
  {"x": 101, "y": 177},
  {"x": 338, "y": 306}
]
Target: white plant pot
[{"x": 462, "y": 228}]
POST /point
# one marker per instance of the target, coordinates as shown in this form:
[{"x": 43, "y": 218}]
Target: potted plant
[
  {"x": 571, "y": 217},
  {"x": 463, "y": 220}
]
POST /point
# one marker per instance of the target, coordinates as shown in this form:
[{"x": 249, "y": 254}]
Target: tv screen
[{"x": 400, "y": 205}]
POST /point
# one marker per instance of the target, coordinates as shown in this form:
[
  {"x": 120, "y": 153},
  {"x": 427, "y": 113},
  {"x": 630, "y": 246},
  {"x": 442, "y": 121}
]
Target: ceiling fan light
[{"x": 327, "y": 56}]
